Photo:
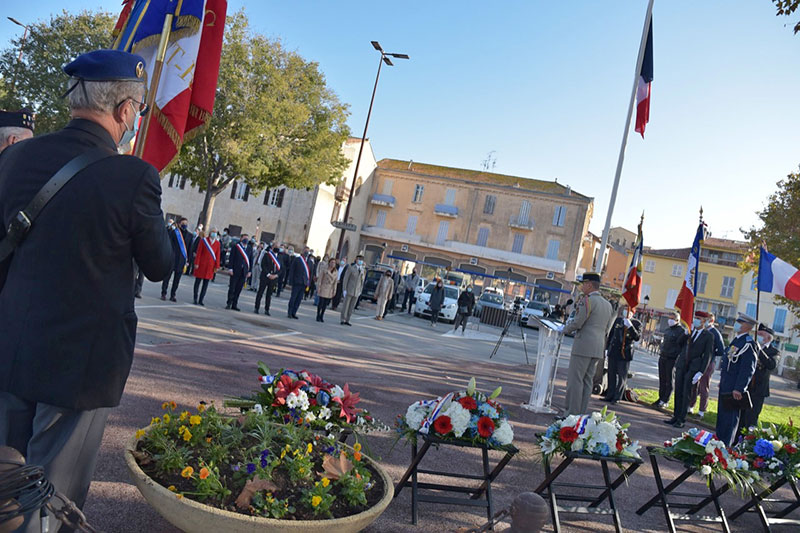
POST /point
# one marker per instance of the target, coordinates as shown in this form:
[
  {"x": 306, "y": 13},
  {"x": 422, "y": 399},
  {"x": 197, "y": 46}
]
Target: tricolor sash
[
  {"x": 244, "y": 254},
  {"x": 305, "y": 266},
  {"x": 210, "y": 249},
  {"x": 426, "y": 424},
  {"x": 181, "y": 243},
  {"x": 275, "y": 261}
]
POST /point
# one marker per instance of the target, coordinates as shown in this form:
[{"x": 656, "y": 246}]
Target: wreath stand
[
  {"x": 607, "y": 488},
  {"x": 474, "y": 500},
  {"x": 769, "y": 517},
  {"x": 692, "y": 509}
]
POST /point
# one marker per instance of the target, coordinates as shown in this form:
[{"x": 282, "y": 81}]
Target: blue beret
[
  {"x": 17, "y": 119},
  {"x": 107, "y": 65}
]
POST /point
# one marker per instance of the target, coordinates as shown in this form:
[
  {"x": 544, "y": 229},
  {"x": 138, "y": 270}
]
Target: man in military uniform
[
  {"x": 768, "y": 359},
  {"x": 738, "y": 367},
  {"x": 15, "y": 126},
  {"x": 690, "y": 366},
  {"x": 590, "y": 322},
  {"x": 66, "y": 346},
  {"x": 625, "y": 331}
]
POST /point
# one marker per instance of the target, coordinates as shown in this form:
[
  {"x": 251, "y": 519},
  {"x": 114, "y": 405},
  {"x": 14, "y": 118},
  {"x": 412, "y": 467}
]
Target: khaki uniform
[{"x": 352, "y": 283}]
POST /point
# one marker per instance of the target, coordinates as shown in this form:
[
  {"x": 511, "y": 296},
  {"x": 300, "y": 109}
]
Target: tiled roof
[
  {"x": 726, "y": 244},
  {"x": 676, "y": 253},
  {"x": 551, "y": 187}
]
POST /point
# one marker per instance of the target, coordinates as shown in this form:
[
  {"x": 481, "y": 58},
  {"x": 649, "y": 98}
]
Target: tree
[
  {"x": 275, "y": 122},
  {"x": 787, "y": 7},
  {"x": 37, "y": 81},
  {"x": 780, "y": 232}
]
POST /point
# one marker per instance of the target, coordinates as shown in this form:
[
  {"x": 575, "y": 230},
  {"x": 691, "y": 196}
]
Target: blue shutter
[
  {"x": 751, "y": 309},
  {"x": 483, "y": 236},
  {"x": 779, "y": 325},
  {"x": 552, "y": 249},
  {"x": 441, "y": 237}
]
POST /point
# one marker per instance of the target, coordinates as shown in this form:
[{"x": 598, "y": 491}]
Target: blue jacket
[
  {"x": 238, "y": 264},
  {"x": 719, "y": 344},
  {"x": 297, "y": 272},
  {"x": 737, "y": 376}
]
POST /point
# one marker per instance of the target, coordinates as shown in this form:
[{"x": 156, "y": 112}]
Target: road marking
[
  {"x": 263, "y": 337},
  {"x": 165, "y": 306}
]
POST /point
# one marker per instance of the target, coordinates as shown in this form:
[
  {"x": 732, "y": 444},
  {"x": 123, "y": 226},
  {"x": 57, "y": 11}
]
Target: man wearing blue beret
[{"x": 66, "y": 347}]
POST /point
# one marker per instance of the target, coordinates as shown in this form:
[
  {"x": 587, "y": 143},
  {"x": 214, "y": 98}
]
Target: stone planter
[{"x": 192, "y": 516}]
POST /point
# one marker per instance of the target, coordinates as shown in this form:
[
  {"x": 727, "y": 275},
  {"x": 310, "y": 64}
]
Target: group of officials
[{"x": 688, "y": 357}]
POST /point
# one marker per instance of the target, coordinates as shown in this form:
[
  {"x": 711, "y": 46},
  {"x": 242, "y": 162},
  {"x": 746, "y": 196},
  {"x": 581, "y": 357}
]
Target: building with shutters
[
  {"x": 293, "y": 216},
  {"x": 519, "y": 229}
]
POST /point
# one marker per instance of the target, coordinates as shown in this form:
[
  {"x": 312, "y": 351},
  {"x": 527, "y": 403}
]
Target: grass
[{"x": 770, "y": 414}]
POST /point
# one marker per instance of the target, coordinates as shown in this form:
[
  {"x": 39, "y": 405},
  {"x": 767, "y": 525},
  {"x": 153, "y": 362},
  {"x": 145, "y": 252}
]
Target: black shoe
[
  {"x": 235, "y": 309},
  {"x": 201, "y": 303},
  {"x": 321, "y": 320},
  {"x": 348, "y": 324},
  {"x": 138, "y": 295},
  {"x": 342, "y": 323},
  {"x": 656, "y": 403},
  {"x": 164, "y": 297},
  {"x": 256, "y": 311},
  {"x": 678, "y": 424},
  {"x": 612, "y": 402},
  {"x": 172, "y": 299},
  {"x": 670, "y": 422},
  {"x": 295, "y": 317},
  {"x": 195, "y": 301},
  {"x": 228, "y": 306},
  {"x": 266, "y": 313}
]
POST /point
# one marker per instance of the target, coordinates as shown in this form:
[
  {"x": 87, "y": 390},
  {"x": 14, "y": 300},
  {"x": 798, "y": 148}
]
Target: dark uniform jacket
[
  {"x": 67, "y": 323},
  {"x": 738, "y": 365},
  {"x": 437, "y": 298},
  {"x": 178, "y": 258},
  {"x": 237, "y": 262},
  {"x": 698, "y": 352},
  {"x": 674, "y": 343},
  {"x": 767, "y": 362},
  {"x": 268, "y": 266},
  {"x": 621, "y": 339},
  {"x": 297, "y": 272}
]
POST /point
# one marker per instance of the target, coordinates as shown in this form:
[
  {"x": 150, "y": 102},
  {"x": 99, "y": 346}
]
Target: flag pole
[
  {"x": 151, "y": 93},
  {"x": 604, "y": 242},
  {"x": 758, "y": 287}
]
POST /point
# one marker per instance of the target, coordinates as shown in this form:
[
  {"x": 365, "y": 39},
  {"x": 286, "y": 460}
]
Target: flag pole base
[{"x": 540, "y": 408}]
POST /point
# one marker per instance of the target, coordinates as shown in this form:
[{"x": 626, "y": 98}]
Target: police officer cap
[
  {"x": 17, "y": 119},
  {"x": 107, "y": 65},
  {"x": 591, "y": 276},
  {"x": 746, "y": 319},
  {"x": 766, "y": 329}
]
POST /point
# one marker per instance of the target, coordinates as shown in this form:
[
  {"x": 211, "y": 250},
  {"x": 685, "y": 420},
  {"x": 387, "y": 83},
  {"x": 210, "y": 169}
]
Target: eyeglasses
[{"x": 143, "y": 107}]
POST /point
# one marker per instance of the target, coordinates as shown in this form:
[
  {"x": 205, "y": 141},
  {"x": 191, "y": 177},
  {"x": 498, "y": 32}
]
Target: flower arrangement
[
  {"x": 467, "y": 415},
  {"x": 304, "y": 398},
  {"x": 598, "y": 434},
  {"x": 699, "y": 449},
  {"x": 255, "y": 466},
  {"x": 772, "y": 450}
]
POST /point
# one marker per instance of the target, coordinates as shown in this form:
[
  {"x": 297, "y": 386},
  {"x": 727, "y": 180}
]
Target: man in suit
[
  {"x": 270, "y": 269},
  {"x": 15, "y": 126},
  {"x": 703, "y": 386},
  {"x": 241, "y": 264},
  {"x": 674, "y": 344},
  {"x": 352, "y": 284},
  {"x": 690, "y": 366},
  {"x": 625, "y": 331},
  {"x": 66, "y": 346},
  {"x": 590, "y": 322},
  {"x": 737, "y": 369},
  {"x": 299, "y": 277},
  {"x": 181, "y": 241},
  {"x": 768, "y": 359},
  {"x": 337, "y": 297}
]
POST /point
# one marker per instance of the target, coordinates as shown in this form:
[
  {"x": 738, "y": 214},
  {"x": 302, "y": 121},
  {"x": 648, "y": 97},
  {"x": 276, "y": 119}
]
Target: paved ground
[{"x": 187, "y": 353}]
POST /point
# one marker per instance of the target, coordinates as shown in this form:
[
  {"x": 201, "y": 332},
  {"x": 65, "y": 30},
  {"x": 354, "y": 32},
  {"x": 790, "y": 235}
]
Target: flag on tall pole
[
  {"x": 685, "y": 301},
  {"x": 778, "y": 277},
  {"x": 633, "y": 281},
  {"x": 184, "y": 70},
  {"x": 643, "y": 87}
]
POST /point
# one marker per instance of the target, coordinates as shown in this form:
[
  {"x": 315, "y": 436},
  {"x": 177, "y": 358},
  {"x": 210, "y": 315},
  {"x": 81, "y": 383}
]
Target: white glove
[
  {"x": 697, "y": 377},
  {"x": 344, "y": 294},
  {"x": 627, "y": 322}
]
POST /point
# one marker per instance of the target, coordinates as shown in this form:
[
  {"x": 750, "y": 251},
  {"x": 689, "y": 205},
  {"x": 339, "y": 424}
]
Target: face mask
[
  {"x": 213, "y": 234},
  {"x": 762, "y": 340},
  {"x": 129, "y": 134},
  {"x": 672, "y": 322},
  {"x": 696, "y": 323},
  {"x": 360, "y": 262},
  {"x": 183, "y": 226},
  {"x": 342, "y": 263},
  {"x": 244, "y": 241},
  {"x": 737, "y": 327},
  {"x": 469, "y": 289},
  {"x": 439, "y": 285},
  {"x": 280, "y": 250}
]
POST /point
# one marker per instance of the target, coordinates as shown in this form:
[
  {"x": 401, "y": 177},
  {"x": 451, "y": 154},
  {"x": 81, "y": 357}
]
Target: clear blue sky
[{"x": 545, "y": 84}]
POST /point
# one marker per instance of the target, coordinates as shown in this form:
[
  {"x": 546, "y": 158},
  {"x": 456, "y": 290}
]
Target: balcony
[
  {"x": 382, "y": 199},
  {"x": 445, "y": 210},
  {"x": 516, "y": 222}
]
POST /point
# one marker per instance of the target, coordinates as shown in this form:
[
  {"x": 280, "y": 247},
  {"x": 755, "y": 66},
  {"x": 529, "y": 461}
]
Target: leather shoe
[
  {"x": 256, "y": 311},
  {"x": 295, "y": 317},
  {"x": 201, "y": 303},
  {"x": 172, "y": 299},
  {"x": 348, "y": 324},
  {"x": 235, "y": 309},
  {"x": 137, "y": 295},
  {"x": 266, "y": 313},
  {"x": 164, "y": 297},
  {"x": 228, "y": 306},
  {"x": 671, "y": 421},
  {"x": 678, "y": 424}
]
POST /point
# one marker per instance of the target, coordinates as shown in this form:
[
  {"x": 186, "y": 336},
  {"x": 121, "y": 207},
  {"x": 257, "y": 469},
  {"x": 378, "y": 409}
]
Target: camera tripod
[{"x": 512, "y": 317}]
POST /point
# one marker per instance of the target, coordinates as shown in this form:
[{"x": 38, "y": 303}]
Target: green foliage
[
  {"x": 780, "y": 230},
  {"x": 787, "y": 7},
  {"x": 50, "y": 44}
]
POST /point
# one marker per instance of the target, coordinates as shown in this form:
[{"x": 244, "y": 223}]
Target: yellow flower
[
  {"x": 309, "y": 448},
  {"x": 302, "y": 470},
  {"x": 288, "y": 447},
  {"x": 194, "y": 420},
  {"x": 184, "y": 415},
  {"x": 357, "y": 446},
  {"x": 181, "y": 430},
  {"x": 315, "y": 500},
  {"x": 283, "y": 454},
  {"x": 166, "y": 418},
  {"x": 187, "y": 472},
  {"x": 204, "y": 473},
  {"x": 325, "y": 482},
  {"x": 187, "y": 436},
  {"x": 200, "y": 408},
  {"x": 294, "y": 453},
  {"x": 357, "y": 456},
  {"x": 165, "y": 405},
  {"x": 172, "y": 488},
  {"x": 155, "y": 420},
  {"x": 139, "y": 434},
  {"x": 173, "y": 405},
  {"x": 179, "y": 496},
  {"x": 208, "y": 440}
]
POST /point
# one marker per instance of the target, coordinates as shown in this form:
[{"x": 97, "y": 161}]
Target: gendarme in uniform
[
  {"x": 67, "y": 321},
  {"x": 738, "y": 366}
]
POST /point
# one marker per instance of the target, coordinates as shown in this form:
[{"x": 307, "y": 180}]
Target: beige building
[
  {"x": 480, "y": 222},
  {"x": 294, "y": 216}
]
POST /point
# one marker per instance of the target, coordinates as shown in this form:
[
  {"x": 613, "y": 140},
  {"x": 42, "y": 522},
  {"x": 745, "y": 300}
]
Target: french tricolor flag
[
  {"x": 778, "y": 277},
  {"x": 645, "y": 80}
]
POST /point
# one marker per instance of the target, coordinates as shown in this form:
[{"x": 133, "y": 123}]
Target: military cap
[
  {"x": 590, "y": 276},
  {"x": 766, "y": 329},
  {"x": 17, "y": 119},
  {"x": 107, "y": 65},
  {"x": 701, "y": 314},
  {"x": 746, "y": 319}
]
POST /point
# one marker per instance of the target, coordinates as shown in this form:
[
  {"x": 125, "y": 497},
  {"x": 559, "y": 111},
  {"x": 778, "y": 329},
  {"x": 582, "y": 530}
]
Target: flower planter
[{"x": 192, "y": 516}]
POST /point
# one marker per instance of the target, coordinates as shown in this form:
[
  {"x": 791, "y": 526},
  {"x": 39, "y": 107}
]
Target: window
[
  {"x": 524, "y": 212},
  {"x": 702, "y": 278},
  {"x": 672, "y": 295},
  {"x": 649, "y": 266},
  {"x": 441, "y": 236},
  {"x": 559, "y": 216},
  {"x": 419, "y": 190},
  {"x": 176, "y": 182},
  {"x": 779, "y": 324},
  {"x": 519, "y": 240},
  {"x": 753, "y": 284},
  {"x": 483, "y": 237},
  {"x": 240, "y": 191},
  {"x": 646, "y": 291},
  {"x": 274, "y": 197},
  {"x": 411, "y": 225},
  {"x": 380, "y": 220},
  {"x": 728, "y": 283},
  {"x": 488, "y": 205},
  {"x": 387, "y": 187},
  {"x": 450, "y": 197},
  {"x": 750, "y": 310},
  {"x": 677, "y": 271},
  {"x": 552, "y": 248}
]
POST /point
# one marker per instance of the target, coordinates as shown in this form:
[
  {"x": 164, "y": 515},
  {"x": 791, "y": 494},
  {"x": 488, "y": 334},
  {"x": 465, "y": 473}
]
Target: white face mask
[
  {"x": 672, "y": 322},
  {"x": 762, "y": 340},
  {"x": 130, "y": 134}
]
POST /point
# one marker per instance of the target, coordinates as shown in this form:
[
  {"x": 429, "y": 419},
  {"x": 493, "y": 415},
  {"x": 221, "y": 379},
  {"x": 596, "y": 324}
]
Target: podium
[{"x": 550, "y": 337}]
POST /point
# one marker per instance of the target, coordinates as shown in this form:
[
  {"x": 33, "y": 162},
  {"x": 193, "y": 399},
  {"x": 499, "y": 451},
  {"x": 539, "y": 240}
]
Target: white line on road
[{"x": 165, "y": 306}]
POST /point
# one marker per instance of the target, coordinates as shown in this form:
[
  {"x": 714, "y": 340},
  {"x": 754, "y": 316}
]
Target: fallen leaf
[
  {"x": 249, "y": 490},
  {"x": 142, "y": 458},
  {"x": 336, "y": 468}
]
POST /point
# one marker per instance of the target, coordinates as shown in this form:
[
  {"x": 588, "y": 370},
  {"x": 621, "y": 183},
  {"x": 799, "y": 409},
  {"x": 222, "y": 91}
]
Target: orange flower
[
  {"x": 173, "y": 405},
  {"x": 204, "y": 473},
  {"x": 208, "y": 439},
  {"x": 187, "y": 472},
  {"x": 357, "y": 456}
]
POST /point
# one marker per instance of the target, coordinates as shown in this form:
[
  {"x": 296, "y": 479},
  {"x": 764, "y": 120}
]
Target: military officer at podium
[{"x": 738, "y": 367}]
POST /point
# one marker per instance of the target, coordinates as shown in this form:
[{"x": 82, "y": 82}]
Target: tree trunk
[{"x": 208, "y": 204}]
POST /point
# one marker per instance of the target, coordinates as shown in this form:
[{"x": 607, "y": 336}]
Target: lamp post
[
  {"x": 646, "y": 318},
  {"x": 19, "y": 57},
  {"x": 384, "y": 59}
]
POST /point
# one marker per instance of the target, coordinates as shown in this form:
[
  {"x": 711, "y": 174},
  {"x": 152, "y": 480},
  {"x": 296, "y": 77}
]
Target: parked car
[
  {"x": 534, "y": 308},
  {"x": 449, "y": 307},
  {"x": 489, "y": 298}
]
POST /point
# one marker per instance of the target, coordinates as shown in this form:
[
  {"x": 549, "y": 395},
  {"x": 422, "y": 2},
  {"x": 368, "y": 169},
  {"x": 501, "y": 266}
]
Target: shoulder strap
[{"x": 21, "y": 224}]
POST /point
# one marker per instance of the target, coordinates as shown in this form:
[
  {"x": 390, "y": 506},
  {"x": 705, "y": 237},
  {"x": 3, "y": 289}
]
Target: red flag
[
  {"x": 633, "y": 281},
  {"x": 685, "y": 300},
  {"x": 205, "y": 79},
  {"x": 645, "y": 80}
]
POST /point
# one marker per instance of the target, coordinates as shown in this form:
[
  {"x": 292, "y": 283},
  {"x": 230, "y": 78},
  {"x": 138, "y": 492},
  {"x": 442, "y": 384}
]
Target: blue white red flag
[
  {"x": 645, "y": 80},
  {"x": 633, "y": 281},
  {"x": 778, "y": 277},
  {"x": 685, "y": 301}
]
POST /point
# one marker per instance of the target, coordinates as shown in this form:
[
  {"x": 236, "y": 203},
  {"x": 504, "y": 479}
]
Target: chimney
[
  {"x": 569, "y": 190},
  {"x": 410, "y": 163}
]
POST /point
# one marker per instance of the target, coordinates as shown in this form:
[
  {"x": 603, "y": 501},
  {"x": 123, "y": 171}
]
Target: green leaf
[
  {"x": 471, "y": 386},
  {"x": 496, "y": 393}
]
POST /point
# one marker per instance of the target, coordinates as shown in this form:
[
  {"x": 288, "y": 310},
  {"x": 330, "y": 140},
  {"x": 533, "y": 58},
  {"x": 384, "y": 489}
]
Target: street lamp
[
  {"x": 646, "y": 317},
  {"x": 21, "y": 46},
  {"x": 384, "y": 59}
]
